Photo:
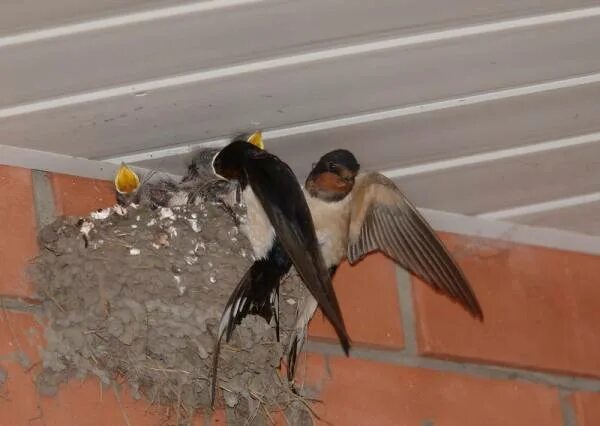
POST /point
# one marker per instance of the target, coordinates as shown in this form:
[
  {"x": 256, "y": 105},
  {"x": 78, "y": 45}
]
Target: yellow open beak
[
  {"x": 126, "y": 180},
  {"x": 256, "y": 139}
]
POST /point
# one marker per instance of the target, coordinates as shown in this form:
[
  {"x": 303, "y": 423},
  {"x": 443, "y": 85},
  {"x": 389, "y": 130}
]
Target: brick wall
[{"x": 418, "y": 358}]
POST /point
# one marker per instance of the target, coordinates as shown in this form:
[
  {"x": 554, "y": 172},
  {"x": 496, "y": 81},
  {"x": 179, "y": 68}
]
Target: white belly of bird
[
  {"x": 331, "y": 221},
  {"x": 258, "y": 228}
]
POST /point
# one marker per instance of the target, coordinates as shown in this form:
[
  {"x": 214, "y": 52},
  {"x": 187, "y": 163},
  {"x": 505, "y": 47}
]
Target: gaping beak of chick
[
  {"x": 126, "y": 180},
  {"x": 256, "y": 139}
]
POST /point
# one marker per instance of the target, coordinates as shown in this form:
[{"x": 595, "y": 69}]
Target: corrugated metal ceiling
[{"x": 475, "y": 107}]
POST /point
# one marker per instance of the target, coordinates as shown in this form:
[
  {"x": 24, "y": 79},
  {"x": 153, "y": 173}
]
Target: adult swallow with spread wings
[
  {"x": 281, "y": 231},
  {"x": 355, "y": 214}
]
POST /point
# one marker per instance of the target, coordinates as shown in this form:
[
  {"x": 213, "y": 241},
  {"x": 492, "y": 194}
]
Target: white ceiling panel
[
  {"x": 401, "y": 83},
  {"x": 315, "y": 91},
  {"x": 441, "y": 135},
  {"x": 221, "y": 37},
  {"x": 501, "y": 184},
  {"x": 31, "y": 15}
]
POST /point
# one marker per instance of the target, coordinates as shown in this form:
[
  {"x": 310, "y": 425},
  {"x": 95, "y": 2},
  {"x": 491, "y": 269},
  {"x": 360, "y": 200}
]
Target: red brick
[
  {"x": 17, "y": 228},
  {"x": 76, "y": 196},
  {"x": 358, "y": 392},
  {"x": 540, "y": 306},
  {"x": 368, "y": 296},
  {"x": 587, "y": 408}
]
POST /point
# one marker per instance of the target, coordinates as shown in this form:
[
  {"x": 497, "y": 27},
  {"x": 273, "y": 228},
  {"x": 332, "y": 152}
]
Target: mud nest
[{"x": 137, "y": 294}]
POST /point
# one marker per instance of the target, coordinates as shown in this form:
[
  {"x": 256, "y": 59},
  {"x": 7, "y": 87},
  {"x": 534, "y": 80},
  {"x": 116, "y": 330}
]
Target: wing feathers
[
  {"x": 389, "y": 222},
  {"x": 445, "y": 260},
  {"x": 434, "y": 270}
]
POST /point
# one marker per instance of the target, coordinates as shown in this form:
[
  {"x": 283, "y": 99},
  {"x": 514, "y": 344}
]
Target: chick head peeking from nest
[
  {"x": 127, "y": 185},
  {"x": 126, "y": 180}
]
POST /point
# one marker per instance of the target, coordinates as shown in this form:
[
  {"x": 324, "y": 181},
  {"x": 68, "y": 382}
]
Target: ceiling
[{"x": 476, "y": 107}]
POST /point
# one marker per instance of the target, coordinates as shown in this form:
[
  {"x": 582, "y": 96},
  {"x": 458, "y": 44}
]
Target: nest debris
[{"x": 136, "y": 294}]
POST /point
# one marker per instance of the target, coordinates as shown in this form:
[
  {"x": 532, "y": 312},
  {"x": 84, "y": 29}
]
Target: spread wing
[
  {"x": 282, "y": 199},
  {"x": 383, "y": 219}
]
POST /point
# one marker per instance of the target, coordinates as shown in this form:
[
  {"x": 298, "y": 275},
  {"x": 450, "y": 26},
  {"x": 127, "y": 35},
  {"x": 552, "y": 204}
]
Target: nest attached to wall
[{"x": 137, "y": 294}]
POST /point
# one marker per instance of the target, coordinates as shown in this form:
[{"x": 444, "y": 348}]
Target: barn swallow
[
  {"x": 200, "y": 182},
  {"x": 355, "y": 214},
  {"x": 281, "y": 232}
]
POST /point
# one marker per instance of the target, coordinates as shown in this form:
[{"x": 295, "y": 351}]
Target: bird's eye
[{"x": 331, "y": 167}]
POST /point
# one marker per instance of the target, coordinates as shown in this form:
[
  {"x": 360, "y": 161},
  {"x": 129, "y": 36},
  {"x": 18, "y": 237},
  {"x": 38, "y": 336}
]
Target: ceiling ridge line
[
  {"x": 493, "y": 155},
  {"x": 362, "y": 118},
  {"x": 118, "y": 21},
  {"x": 479, "y": 227},
  {"x": 541, "y": 207},
  {"x": 441, "y": 221},
  {"x": 66, "y": 164}
]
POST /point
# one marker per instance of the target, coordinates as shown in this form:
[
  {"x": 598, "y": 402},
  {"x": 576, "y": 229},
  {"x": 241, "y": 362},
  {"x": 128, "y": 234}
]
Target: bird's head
[
  {"x": 228, "y": 162},
  {"x": 332, "y": 177},
  {"x": 127, "y": 185},
  {"x": 126, "y": 180}
]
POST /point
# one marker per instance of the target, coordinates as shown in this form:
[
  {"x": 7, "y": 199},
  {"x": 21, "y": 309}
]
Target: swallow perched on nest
[
  {"x": 281, "y": 232},
  {"x": 355, "y": 214}
]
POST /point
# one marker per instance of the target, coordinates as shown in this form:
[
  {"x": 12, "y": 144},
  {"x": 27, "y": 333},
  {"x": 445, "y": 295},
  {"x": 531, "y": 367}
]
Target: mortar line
[
  {"x": 43, "y": 198},
  {"x": 19, "y": 304},
  {"x": 229, "y": 414},
  {"x": 407, "y": 310},
  {"x": 468, "y": 368},
  {"x": 566, "y": 408}
]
